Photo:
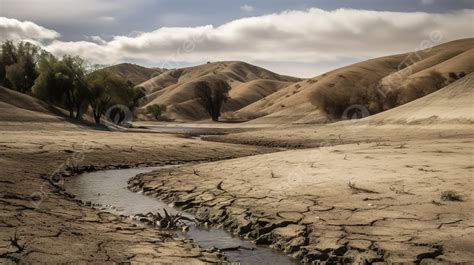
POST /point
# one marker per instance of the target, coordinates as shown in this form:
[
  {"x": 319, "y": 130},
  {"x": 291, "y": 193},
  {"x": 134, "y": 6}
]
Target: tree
[
  {"x": 108, "y": 89},
  {"x": 7, "y": 58},
  {"x": 78, "y": 93},
  {"x": 156, "y": 110},
  {"x": 62, "y": 82},
  {"x": 211, "y": 96},
  {"x": 437, "y": 79},
  {"x": 22, "y": 73},
  {"x": 138, "y": 95}
]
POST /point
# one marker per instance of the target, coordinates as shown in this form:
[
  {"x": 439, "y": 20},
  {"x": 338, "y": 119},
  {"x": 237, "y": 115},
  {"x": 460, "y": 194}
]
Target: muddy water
[{"x": 109, "y": 188}]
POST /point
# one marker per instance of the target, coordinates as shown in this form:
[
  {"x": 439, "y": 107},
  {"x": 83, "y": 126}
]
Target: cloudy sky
[{"x": 301, "y": 38}]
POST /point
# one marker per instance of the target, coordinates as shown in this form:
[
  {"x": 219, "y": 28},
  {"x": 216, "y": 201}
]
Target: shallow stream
[{"x": 109, "y": 189}]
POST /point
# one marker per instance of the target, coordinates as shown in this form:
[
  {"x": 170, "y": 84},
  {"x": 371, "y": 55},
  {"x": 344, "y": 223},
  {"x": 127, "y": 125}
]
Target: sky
[{"x": 300, "y": 38}]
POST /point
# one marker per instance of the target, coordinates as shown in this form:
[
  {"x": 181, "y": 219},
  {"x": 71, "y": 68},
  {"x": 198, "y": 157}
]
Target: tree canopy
[
  {"x": 67, "y": 82},
  {"x": 212, "y": 95}
]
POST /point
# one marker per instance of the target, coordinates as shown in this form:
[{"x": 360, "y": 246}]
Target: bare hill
[
  {"x": 451, "y": 104},
  {"x": 19, "y": 107},
  {"x": 135, "y": 73},
  {"x": 249, "y": 83},
  {"x": 378, "y": 84}
]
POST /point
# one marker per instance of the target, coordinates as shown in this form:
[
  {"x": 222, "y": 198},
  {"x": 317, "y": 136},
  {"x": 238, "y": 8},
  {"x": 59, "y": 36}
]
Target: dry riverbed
[
  {"x": 387, "y": 194},
  {"x": 39, "y": 223},
  {"x": 405, "y": 196}
]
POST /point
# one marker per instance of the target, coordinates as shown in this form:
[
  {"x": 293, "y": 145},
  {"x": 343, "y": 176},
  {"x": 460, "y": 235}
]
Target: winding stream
[{"x": 109, "y": 188}]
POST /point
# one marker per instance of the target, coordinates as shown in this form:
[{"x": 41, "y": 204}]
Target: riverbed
[{"x": 108, "y": 191}]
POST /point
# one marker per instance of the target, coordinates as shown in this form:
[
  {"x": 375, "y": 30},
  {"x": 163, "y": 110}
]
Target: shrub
[
  {"x": 438, "y": 80},
  {"x": 453, "y": 76},
  {"x": 156, "y": 110},
  {"x": 450, "y": 195}
]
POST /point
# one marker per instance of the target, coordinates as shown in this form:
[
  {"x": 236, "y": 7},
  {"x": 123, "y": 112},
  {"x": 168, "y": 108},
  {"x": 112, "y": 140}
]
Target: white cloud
[
  {"x": 246, "y": 8},
  {"x": 312, "y": 37},
  {"x": 13, "y": 29}
]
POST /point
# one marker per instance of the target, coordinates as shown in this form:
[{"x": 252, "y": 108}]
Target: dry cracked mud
[
  {"x": 352, "y": 203},
  {"x": 39, "y": 223},
  {"x": 357, "y": 200}
]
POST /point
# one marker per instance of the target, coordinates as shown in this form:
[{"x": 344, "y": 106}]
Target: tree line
[{"x": 67, "y": 81}]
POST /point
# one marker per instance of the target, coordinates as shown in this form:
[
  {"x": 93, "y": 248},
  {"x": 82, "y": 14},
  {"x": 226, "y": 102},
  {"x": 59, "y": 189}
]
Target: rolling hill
[
  {"x": 133, "y": 72},
  {"x": 249, "y": 84},
  {"x": 378, "y": 84},
  {"x": 265, "y": 97},
  {"x": 19, "y": 107},
  {"x": 451, "y": 104}
]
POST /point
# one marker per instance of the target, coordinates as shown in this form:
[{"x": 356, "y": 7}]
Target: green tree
[
  {"x": 7, "y": 57},
  {"x": 211, "y": 95},
  {"x": 107, "y": 89},
  {"x": 18, "y": 65},
  {"x": 156, "y": 110},
  {"x": 62, "y": 82},
  {"x": 50, "y": 82},
  {"x": 22, "y": 73},
  {"x": 77, "y": 93}
]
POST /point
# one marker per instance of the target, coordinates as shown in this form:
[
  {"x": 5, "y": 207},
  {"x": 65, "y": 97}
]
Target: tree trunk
[
  {"x": 78, "y": 116},
  {"x": 78, "y": 112},
  {"x": 69, "y": 104},
  {"x": 96, "y": 115}
]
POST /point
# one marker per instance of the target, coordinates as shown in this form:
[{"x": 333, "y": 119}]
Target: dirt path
[{"x": 38, "y": 223}]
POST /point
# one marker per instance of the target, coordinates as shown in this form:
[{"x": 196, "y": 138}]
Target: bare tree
[{"x": 212, "y": 95}]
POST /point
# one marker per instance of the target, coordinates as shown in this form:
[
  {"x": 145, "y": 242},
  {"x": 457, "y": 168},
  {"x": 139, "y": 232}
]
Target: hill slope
[
  {"x": 19, "y": 107},
  {"x": 135, "y": 73},
  {"x": 249, "y": 83},
  {"x": 378, "y": 84},
  {"x": 451, "y": 104}
]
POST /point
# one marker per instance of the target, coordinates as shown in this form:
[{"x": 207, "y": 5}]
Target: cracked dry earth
[
  {"x": 39, "y": 224},
  {"x": 357, "y": 203}
]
